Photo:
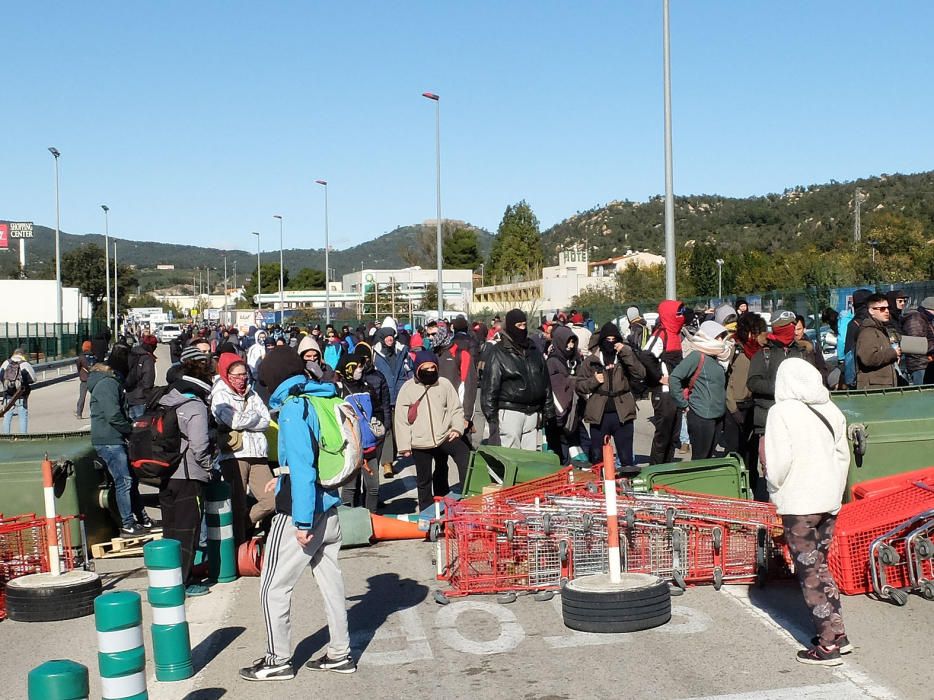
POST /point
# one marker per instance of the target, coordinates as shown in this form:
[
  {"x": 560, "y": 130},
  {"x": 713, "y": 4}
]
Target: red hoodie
[{"x": 672, "y": 322}]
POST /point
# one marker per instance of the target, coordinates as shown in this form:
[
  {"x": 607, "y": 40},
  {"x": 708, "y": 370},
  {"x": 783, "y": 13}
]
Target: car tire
[
  {"x": 595, "y": 604},
  {"x": 48, "y": 598}
]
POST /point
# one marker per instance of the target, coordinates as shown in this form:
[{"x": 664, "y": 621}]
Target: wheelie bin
[
  {"x": 890, "y": 431},
  {"x": 506, "y": 466},
  {"x": 720, "y": 476}
]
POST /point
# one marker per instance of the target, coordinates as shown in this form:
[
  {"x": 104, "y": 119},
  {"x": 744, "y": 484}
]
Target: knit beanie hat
[
  {"x": 633, "y": 314},
  {"x": 307, "y": 343},
  {"x": 423, "y": 356},
  {"x": 150, "y": 341},
  {"x": 193, "y": 354},
  {"x": 459, "y": 324},
  {"x": 280, "y": 363}
]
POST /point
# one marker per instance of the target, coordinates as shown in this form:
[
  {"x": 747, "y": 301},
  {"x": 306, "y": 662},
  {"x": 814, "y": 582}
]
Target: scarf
[
  {"x": 783, "y": 335},
  {"x": 721, "y": 349},
  {"x": 751, "y": 347}
]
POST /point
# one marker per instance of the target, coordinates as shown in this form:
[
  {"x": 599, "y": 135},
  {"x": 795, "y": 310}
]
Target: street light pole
[
  {"x": 437, "y": 100},
  {"x": 327, "y": 257},
  {"x": 719, "y": 278},
  {"x": 107, "y": 259},
  {"x": 259, "y": 276},
  {"x": 225, "y": 288},
  {"x": 281, "y": 273},
  {"x": 58, "y": 256},
  {"x": 116, "y": 287},
  {"x": 670, "y": 263}
]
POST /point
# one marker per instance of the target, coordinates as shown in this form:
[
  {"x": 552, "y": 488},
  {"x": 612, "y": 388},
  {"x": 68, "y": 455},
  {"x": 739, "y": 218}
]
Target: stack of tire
[
  {"x": 47, "y": 598},
  {"x": 638, "y": 602}
]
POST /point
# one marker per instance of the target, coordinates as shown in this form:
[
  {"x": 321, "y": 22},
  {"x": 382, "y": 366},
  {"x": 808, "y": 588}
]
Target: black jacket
[
  {"x": 382, "y": 408},
  {"x": 515, "y": 379},
  {"x": 761, "y": 380},
  {"x": 142, "y": 370}
]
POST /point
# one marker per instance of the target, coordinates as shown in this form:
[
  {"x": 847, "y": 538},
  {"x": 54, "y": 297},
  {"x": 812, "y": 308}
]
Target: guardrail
[{"x": 55, "y": 371}]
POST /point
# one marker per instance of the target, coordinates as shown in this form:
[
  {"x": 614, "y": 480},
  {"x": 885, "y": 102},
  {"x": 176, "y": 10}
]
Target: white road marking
[
  {"x": 510, "y": 632},
  {"x": 417, "y": 647},
  {"x": 791, "y": 632},
  {"x": 828, "y": 691}
]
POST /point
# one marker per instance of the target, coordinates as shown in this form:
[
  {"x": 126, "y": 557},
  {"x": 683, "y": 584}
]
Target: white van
[{"x": 168, "y": 332}]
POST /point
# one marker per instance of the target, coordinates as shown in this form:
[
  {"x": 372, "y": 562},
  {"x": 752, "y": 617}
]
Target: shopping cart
[
  {"x": 919, "y": 549},
  {"x": 890, "y": 564}
]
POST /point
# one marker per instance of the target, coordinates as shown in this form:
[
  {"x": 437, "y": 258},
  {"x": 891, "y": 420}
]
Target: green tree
[
  {"x": 461, "y": 250},
  {"x": 270, "y": 274},
  {"x": 517, "y": 249},
  {"x": 599, "y": 301},
  {"x": 146, "y": 300},
  {"x": 306, "y": 278},
  {"x": 703, "y": 268},
  {"x": 640, "y": 284},
  {"x": 84, "y": 268}
]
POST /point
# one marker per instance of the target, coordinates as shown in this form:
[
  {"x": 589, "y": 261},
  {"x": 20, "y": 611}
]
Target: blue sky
[{"x": 197, "y": 121}]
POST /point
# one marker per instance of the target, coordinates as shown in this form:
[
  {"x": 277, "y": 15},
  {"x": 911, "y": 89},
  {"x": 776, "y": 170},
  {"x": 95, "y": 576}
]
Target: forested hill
[{"x": 820, "y": 215}]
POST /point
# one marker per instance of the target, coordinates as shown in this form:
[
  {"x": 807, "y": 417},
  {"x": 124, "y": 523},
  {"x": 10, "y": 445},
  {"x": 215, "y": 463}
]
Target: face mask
[
  {"x": 313, "y": 369},
  {"x": 357, "y": 374},
  {"x": 427, "y": 376},
  {"x": 608, "y": 349},
  {"x": 237, "y": 383}
]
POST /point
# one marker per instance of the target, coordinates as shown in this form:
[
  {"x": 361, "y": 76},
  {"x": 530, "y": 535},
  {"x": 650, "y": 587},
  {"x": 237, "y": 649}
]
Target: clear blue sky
[{"x": 197, "y": 121}]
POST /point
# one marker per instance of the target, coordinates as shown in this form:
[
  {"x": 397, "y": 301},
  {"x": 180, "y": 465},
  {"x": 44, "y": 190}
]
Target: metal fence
[{"x": 40, "y": 340}]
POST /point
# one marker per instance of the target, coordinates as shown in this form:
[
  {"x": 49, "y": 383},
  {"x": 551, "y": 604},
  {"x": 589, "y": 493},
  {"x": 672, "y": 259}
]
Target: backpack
[
  {"x": 13, "y": 377},
  {"x": 371, "y": 429},
  {"x": 333, "y": 353},
  {"x": 338, "y": 449},
  {"x": 652, "y": 366},
  {"x": 154, "y": 446}
]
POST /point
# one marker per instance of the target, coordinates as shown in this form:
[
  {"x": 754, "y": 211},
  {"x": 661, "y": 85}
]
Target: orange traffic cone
[{"x": 387, "y": 528}]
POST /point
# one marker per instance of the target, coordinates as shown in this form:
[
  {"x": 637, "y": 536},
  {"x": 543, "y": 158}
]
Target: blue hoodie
[{"x": 295, "y": 452}]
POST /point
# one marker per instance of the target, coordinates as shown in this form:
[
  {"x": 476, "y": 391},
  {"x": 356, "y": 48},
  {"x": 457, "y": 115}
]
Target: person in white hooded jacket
[{"x": 806, "y": 464}]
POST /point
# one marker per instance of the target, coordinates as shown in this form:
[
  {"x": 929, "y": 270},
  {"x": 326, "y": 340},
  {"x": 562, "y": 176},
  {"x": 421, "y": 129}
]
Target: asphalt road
[{"x": 737, "y": 643}]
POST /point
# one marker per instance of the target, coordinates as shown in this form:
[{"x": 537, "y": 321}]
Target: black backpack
[
  {"x": 12, "y": 378},
  {"x": 653, "y": 371},
  {"x": 154, "y": 447}
]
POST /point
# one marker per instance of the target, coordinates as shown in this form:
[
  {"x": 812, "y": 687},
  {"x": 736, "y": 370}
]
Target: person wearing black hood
[
  {"x": 898, "y": 302},
  {"x": 564, "y": 369},
  {"x": 515, "y": 389},
  {"x": 605, "y": 383}
]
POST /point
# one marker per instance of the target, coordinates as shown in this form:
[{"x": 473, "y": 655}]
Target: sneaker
[
  {"x": 326, "y": 663},
  {"x": 147, "y": 523},
  {"x": 133, "y": 531},
  {"x": 388, "y": 473},
  {"x": 842, "y": 643},
  {"x": 819, "y": 655},
  {"x": 261, "y": 670},
  {"x": 193, "y": 590}
]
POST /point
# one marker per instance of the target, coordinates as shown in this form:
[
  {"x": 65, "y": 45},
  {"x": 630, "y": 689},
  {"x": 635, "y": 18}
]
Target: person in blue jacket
[{"x": 305, "y": 530}]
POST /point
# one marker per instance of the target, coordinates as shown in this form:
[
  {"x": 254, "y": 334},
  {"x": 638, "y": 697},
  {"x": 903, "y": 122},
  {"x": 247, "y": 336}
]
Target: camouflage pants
[{"x": 808, "y": 538}]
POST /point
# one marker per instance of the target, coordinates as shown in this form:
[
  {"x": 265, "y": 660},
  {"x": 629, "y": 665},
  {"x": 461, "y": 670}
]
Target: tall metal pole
[
  {"x": 719, "y": 278},
  {"x": 225, "y": 289},
  {"x": 116, "y": 287},
  {"x": 670, "y": 262},
  {"x": 440, "y": 260},
  {"x": 259, "y": 276},
  {"x": 327, "y": 257},
  {"x": 107, "y": 262},
  {"x": 58, "y": 257},
  {"x": 281, "y": 273}
]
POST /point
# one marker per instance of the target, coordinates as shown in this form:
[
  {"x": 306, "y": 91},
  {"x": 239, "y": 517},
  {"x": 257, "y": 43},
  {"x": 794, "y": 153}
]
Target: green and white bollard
[
  {"x": 60, "y": 679},
  {"x": 121, "y": 656},
  {"x": 171, "y": 643},
  {"x": 222, "y": 549}
]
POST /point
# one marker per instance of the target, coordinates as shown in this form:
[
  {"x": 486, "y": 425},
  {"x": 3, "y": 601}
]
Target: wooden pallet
[{"x": 123, "y": 546}]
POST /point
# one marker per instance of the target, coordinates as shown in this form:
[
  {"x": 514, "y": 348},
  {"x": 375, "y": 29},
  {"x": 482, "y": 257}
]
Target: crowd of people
[{"x": 717, "y": 381}]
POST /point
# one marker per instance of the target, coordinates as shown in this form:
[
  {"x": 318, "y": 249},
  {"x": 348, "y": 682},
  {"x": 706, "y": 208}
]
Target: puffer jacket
[
  {"x": 875, "y": 356},
  {"x": 514, "y": 379},
  {"x": 438, "y": 413},
  {"x": 248, "y": 414},
  {"x": 615, "y": 385},
  {"x": 919, "y": 323},
  {"x": 191, "y": 396},
  {"x": 763, "y": 367},
  {"x": 145, "y": 371}
]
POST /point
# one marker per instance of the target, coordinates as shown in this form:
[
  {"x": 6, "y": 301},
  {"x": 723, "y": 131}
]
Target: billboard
[{"x": 12, "y": 230}]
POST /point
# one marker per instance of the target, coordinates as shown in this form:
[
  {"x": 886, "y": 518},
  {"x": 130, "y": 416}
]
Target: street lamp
[
  {"x": 719, "y": 278},
  {"x": 670, "y": 278},
  {"x": 58, "y": 256},
  {"x": 107, "y": 260},
  {"x": 116, "y": 286},
  {"x": 437, "y": 100},
  {"x": 281, "y": 273},
  {"x": 259, "y": 276},
  {"x": 327, "y": 257}
]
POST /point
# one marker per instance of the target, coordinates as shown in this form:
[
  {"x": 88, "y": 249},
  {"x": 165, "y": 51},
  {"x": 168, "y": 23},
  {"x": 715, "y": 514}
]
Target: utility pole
[
  {"x": 670, "y": 264},
  {"x": 857, "y": 223}
]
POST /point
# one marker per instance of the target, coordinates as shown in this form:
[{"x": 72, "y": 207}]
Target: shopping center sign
[{"x": 11, "y": 230}]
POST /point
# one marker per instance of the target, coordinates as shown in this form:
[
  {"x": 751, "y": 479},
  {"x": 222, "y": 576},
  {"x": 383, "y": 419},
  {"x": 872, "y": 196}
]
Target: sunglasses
[{"x": 879, "y": 308}]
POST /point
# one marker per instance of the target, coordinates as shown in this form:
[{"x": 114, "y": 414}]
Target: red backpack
[{"x": 154, "y": 447}]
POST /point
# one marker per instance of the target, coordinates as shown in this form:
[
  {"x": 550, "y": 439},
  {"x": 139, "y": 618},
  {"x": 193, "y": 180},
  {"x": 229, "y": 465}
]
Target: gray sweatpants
[
  {"x": 284, "y": 565},
  {"x": 518, "y": 430}
]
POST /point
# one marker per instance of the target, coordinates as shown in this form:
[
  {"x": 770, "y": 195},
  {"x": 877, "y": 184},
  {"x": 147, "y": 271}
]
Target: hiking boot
[
  {"x": 133, "y": 531},
  {"x": 193, "y": 590},
  {"x": 388, "y": 473},
  {"x": 326, "y": 663},
  {"x": 262, "y": 670},
  {"x": 842, "y": 642},
  {"x": 819, "y": 655}
]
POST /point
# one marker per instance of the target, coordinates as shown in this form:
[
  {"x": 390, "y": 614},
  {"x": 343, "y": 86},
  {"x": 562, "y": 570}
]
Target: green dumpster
[
  {"x": 21, "y": 481},
  {"x": 890, "y": 431},
  {"x": 506, "y": 466},
  {"x": 720, "y": 476}
]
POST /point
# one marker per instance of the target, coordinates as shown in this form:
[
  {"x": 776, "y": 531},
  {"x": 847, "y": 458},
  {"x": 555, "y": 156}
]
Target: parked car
[{"x": 168, "y": 332}]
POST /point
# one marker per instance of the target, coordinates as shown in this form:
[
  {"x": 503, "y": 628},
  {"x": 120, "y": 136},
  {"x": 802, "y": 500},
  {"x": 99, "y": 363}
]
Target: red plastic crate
[
  {"x": 888, "y": 484},
  {"x": 859, "y": 523}
]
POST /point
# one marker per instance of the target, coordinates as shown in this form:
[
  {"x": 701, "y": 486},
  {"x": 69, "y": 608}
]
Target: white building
[
  {"x": 34, "y": 301},
  {"x": 407, "y": 287}
]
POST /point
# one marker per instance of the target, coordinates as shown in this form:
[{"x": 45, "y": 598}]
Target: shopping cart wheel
[
  {"x": 506, "y": 598},
  {"x": 675, "y": 590},
  {"x": 510, "y": 530},
  {"x": 927, "y": 590},
  {"x": 596, "y": 604},
  {"x": 546, "y": 523},
  {"x": 896, "y": 595},
  {"x": 925, "y": 548},
  {"x": 434, "y": 532},
  {"x": 717, "y": 536},
  {"x": 888, "y": 555},
  {"x": 670, "y": 517},
  {"x": 440, "y": 598},
  {"x": 543, "y": 596},
  {"x": 587, "y": 521},
  {"x": 48, "y": 598},
  {"x": 717, "y": 578},
  {"x": 563, "y": 550},
  {"x": 630, "y": 519},
  {"x": 679, "y": 581}
]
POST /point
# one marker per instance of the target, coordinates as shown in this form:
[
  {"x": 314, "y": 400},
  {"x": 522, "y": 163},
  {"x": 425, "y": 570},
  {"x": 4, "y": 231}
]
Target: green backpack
[{"x": 339, "y": 450}]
